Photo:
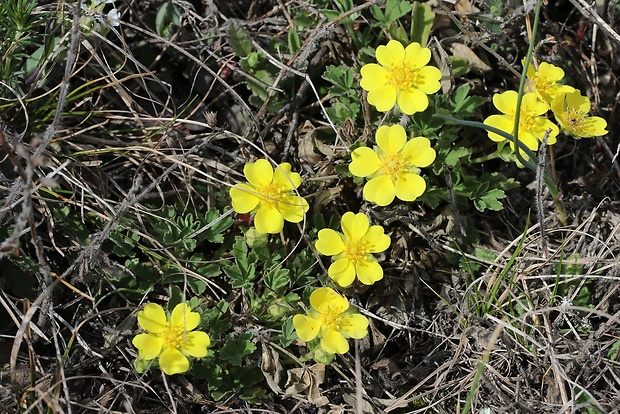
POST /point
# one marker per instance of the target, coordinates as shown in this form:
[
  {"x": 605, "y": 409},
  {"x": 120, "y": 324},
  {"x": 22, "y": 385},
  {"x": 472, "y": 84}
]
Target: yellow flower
[
  {"x": 545, "y": 81},
  {"x": 394, "y": 166},
  {"x": 532, "y": 123},
  {"x": 330, "y": 320},
  {"x": 353, "y": 250},
  {"x": 170, "y": 339},
  {"x": 402, "y": 77},
  {"x": 270, "y": 194},
  {"x": 571, "y": 111}
]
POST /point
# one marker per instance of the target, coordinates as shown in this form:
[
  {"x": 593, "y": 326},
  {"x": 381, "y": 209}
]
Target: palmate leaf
[{"x": 234, "y": 350}]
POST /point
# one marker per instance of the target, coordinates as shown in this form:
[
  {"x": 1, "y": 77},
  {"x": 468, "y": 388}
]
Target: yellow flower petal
[
  {"x": 329, "y": 243},
  {"x": 259, "y": 173},
  {"x": 376, "y": 240},
  {"x": 364, "y": 162},
  {"x": 577, "y": 101},
  {"x": 506, "y": 102},
  {"x": 594, "y": 126},
  {"x": 285, "y": 178},
  {"x": 268, "y": 220},
  {"x": 354, "y": 226},
  {"x": 369, "y": 271},
  {"x": 380, "y": 190},
  {"x": 172, "y": 361},
  {"x": 548, "y": 70},
  {"x": 501, "y": 122},
  {"x": 149, "y": 346},
  {"x": 408, "y": 186},
  {"x": 293, "y": 208},
  {"x": 183, "y": 317},
  {"x": 391, "y": 139},
  {"x": 354, "y": 325},
  {"x": 342, "y": 272},
  {"x": 391, "y": 54},
  {"x": 196, "y": 344},
  {"x": 529, "y": 140},
  {"x": 411, "y": 101},
  {"x": 540, "y": 128},
  {"x": 430, "y": 77},
  {"x": 373, "y": 76},
  {"x": 244, "y": 198},
  {"x": 334, "y": 342},
  {"x": 533, "y": 105},
  {"x": 383, "y": 98},
  {"x": 418, "y": 152},
  {"x": 152, "y": 318},
  {"x": 326, "y": 299},
  {"x": 307, "y": 328},
  {"x": 417, "y": 56}
]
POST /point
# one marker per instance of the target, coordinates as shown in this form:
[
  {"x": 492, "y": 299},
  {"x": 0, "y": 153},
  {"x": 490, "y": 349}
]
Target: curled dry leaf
[
  {"x": 308, "y": 380},
  {"x": 310, "y": 147},
  {"x": 271, "y": 367}
]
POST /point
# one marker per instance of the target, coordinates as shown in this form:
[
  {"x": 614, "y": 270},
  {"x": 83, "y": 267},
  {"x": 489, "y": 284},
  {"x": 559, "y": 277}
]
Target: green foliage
[
  {"x": 239, "y": 39},
  {"x": 344, "y": 104},
  {"x": 168, "y": 19},
  {"x": 237, "y": 347},
  {"x": 422, "y": 22}
]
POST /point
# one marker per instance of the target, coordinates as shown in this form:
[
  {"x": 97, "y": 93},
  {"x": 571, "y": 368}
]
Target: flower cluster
[
  {"x": 172, "y": 338},
  {"x": 544, "y": 92}
]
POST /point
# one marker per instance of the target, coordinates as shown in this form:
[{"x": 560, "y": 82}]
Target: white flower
[{"x": 114, "y": 18}]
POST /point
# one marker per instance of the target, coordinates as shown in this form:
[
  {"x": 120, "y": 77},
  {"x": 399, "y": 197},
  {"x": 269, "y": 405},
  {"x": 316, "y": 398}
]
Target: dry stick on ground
[
  {"x": 540, "y": 182},
  {"x": 590, "y": 13}
]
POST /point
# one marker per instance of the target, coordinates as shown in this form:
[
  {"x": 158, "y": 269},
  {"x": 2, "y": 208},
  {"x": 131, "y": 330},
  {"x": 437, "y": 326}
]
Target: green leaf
[
  {"x": 141, "y": 365},
  {"x": 196, "y": 285},
  {"x": 342, "y": 79},
  {"x": 176, "y": 297},
  {"x": 288, "y": 334},
  {"x": 218, "y": 225},
  {"x": 277, "y": 279},
  {"x": 238, "y": 39},
  {"x": 490, "y": 200},
  {"x": 234, "y": 350},
  {"x": 395, "y": 9},
  {"x": 215, "y": 321},
  {"x": 168, "y": 19},
  {"x": 378, "y": 15},
  {"x": 433, "y": 196},
  {"x": 293, "y": 41},
  {"x": 422, "y": 22},
  {"x": 454, "y": 155}
]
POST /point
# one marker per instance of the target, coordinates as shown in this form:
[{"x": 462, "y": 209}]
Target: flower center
[
  {"x": 574, "y": 117},
  {"x": 527, "y": 121},
  {"x": 402, "y": 76},
  {"x": 173, "y": 337},
  {"x": 331, "y": 318},
  {"x": 392, "y": 165},
  {"x": 355, "y": 250},
  {"x": 270, "y": 194}
]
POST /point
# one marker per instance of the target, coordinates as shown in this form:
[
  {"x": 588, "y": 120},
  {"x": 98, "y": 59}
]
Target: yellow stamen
[
  {"x": 402, "y": 76},
  {"x": 173, "y": 336},
  {"x": 331, "y": 318},
  {"x": 392, "y": 165},
  {"x": 355, "y": 250},
  {"x": 271, "y": 194}
]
